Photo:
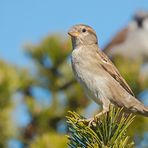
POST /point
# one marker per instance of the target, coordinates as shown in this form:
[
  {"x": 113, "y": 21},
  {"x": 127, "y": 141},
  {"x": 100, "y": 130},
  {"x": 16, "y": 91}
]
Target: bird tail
[
  {"x": 143, "y": 110},
  {"x": 138, "y": 107}
]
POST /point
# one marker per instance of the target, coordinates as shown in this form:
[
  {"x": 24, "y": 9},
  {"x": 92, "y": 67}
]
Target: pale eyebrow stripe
[{"x": 91, "y": 31}]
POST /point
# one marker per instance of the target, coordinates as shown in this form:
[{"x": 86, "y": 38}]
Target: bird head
[
  {"x": 140, "y": 20},
  {"x": 82, "y": 35}
]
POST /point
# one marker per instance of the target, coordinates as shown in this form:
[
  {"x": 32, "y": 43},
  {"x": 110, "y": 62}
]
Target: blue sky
[{"x": 28, "y": 21}]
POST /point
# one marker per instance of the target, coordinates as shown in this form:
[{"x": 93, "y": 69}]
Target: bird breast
[{"x": 90, "y": 79}]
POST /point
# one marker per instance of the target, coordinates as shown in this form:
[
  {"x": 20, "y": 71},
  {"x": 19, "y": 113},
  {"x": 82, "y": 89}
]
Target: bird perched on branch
[{"x": 98, "y": 76}]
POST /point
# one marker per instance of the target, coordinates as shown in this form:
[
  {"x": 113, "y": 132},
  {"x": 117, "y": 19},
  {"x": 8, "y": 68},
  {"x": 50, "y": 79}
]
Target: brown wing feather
[
  {"x": 119, "y": 38},
  {"x": 112, "y": 70}
]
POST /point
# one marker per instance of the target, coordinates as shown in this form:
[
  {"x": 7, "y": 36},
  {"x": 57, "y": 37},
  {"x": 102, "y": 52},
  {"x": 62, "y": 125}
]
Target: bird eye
[{"x": 83, "y": 30}]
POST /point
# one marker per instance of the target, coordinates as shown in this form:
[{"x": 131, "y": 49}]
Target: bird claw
[{"x": 89, "y": 121}]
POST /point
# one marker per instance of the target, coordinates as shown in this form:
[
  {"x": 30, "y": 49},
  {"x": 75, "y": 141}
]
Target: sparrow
[
  {"x": 131, "y": 42},
  {"x": 98, "y": 76}
]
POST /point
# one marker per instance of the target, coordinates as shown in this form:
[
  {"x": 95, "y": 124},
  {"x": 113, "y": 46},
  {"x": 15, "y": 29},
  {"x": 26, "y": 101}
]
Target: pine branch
[{"x": 107, "y": 131}]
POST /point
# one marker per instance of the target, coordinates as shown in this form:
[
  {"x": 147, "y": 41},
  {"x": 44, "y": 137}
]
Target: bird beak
[{"x": 73, "y": 33}]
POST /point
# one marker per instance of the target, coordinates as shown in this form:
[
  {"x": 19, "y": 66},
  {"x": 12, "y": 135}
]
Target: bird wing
[
  {"x": 109, "y": 67},
  {"x": 119, "y": 38}
]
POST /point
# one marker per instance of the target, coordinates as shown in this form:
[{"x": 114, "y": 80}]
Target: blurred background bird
[{"x": 131, "y": 41}]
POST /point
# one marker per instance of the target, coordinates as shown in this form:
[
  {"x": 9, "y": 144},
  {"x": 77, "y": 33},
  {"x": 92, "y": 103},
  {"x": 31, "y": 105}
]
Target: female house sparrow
[{"x": 97, "y": 75}]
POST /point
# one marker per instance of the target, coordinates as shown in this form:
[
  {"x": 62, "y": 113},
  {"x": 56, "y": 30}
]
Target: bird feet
[{"x": 90, "y": 121}]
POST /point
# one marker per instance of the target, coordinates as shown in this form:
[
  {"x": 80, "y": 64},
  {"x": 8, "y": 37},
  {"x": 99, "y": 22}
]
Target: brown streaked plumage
[
  {"x": 112, "y": 70},
  {"x": 97, "y": 75}
]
